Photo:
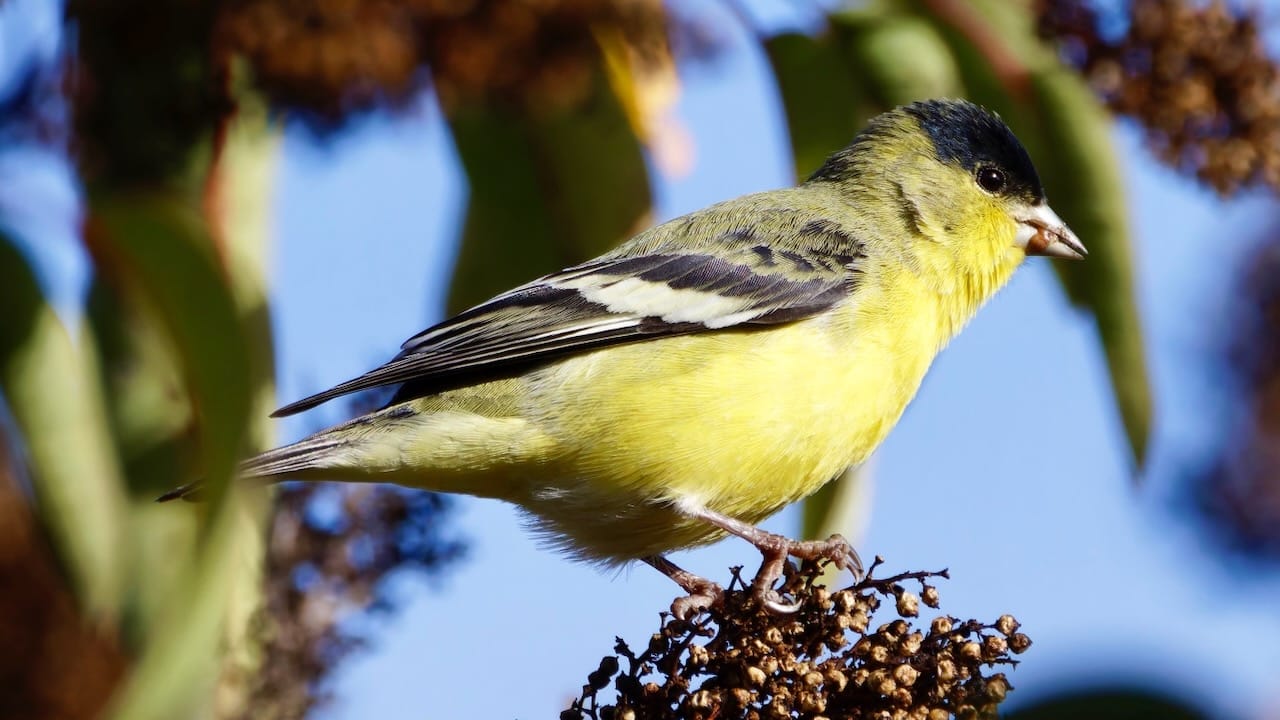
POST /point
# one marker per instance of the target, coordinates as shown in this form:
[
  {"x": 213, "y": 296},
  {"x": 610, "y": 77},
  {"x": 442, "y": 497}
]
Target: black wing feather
[{"x": 581, "y": 308}]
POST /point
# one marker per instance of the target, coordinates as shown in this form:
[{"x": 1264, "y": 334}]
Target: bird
[{"x": 714, "y": 368}]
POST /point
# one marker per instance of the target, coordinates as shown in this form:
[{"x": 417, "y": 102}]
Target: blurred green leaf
[
  {"x": 179, "y": 666},
  {"x": 155, "y": 245},
  {"x": 51, "y": 386},
  {"x": 151, "y": 416},
  {"x": 547, "y": 191},
  {"x": 825, "y": 104},
  {"x": 1068, "y": 133},
  {"x": 241, "y": 186},
  {"x": 841, "y": 506},
  {"x": 876, "y": 45},
  {"x": 1083, "y": 179},
  {"x": 155, "y": 252}
]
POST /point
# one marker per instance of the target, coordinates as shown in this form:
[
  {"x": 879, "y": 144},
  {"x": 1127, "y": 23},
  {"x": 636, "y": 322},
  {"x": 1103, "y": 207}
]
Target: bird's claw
[
  {"x": 776, "y": 549},
  {"x": 705, "y": 596},
  {"x": 838, "y": 551},
  {"x": 773, "y": 601}
]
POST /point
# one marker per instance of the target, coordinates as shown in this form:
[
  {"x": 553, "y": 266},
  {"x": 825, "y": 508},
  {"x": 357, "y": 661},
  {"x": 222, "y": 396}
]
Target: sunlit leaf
[
  {"x": 51, "y": 387},
  {"x": 646, "y": 84},
  {"x": 195, "y": 608},
  {"x": 180, "y": 664},
  {"x": 239, "y": 197}
]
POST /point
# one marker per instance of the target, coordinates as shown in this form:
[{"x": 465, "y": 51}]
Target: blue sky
[{"x": 1009, "y": 468}]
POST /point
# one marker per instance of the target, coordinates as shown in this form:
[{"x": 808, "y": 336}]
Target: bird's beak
[{"x": 1042, "y": 232}]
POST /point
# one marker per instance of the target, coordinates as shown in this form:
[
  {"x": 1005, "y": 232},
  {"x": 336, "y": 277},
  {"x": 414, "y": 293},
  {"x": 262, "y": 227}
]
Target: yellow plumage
[{"x": 715, "y": 368}]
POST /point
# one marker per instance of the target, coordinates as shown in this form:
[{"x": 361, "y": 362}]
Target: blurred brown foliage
[
  {"x": 1240, "y": 490},
  {"x": 330, "y": 58},
  {"x": 1196, "y": 76},
  {"x": 54, "y": 666},
  {"x": 739, "y": 660},
  {"x": 144, "y": 86}
]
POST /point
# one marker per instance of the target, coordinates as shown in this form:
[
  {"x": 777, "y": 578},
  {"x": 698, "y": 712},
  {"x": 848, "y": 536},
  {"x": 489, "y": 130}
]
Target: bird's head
[{"x": 958, "y": 183}]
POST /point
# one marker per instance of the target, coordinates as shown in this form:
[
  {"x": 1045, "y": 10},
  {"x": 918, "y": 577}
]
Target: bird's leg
[
  {"x": 776, "y": 548},
  {"x": 702, "y": 592}
]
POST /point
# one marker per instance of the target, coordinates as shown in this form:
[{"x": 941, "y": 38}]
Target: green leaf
[
  {"x": 179, "y": 666},
  {"x": 155, "y": 245},
  {"x": 548, "y": 190},
  {"x": 1068, "y": 134},
  {"x": 193, "y": 609},
  {"x": 876, "y": 46},
  {"x": 152, "y": 419},
  {"x": 1082, "y": 176},
  {"x": 825, "y": 104},
  {"x": 51, "y": 386},
  {"x": 841, "y": 506}
]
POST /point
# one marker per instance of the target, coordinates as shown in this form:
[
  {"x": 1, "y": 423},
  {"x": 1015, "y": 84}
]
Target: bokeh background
[{"x": 211, "y": 208}]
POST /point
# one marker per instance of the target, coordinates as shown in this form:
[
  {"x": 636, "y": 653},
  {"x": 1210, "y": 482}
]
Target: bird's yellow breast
[{"x": 744, "y": 423}]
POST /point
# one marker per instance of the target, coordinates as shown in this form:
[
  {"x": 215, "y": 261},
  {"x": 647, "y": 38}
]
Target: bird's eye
[{"x": 991, "y": 179}]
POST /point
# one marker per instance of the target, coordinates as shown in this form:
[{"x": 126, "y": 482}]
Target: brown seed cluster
[
  {"x": 331, "y": 57},
  {"x": 1196, "y": 75},
  {"x": 830, "y": 659},
  {"x": 1240, "y": 490}
]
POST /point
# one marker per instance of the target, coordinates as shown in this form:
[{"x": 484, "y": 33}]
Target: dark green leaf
[
  {"x": 547, "y": 191},
  {"x": 825, "y": 104},
  {"x": 155, "y": 246},
  {"x": 1083, "y": 178}
]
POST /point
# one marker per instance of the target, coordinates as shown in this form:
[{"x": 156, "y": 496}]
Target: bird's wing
[{"x": 615, "y": 300}]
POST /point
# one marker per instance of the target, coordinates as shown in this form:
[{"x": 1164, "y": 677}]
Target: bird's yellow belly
[{"x": 741, "y": 423}]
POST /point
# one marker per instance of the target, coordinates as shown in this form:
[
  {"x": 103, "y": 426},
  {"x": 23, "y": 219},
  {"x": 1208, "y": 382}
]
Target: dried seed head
[
  {"x": 1019, "y": 643},
  {"x": 1006, "y": 625},
  {"x": 742, "y": 661},
  {"x": 905, "y": 675},
  {"x": 908, "y": 604},
  {"x": 993, "y": 647}
]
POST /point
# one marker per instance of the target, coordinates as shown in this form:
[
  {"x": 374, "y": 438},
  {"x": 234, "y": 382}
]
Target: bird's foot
[
  {"x": 835, "y": 549},
  {"x": 777, "y": 548},
  {"x": 703, "y": 593},
  {"x": 704, "y": 597}
]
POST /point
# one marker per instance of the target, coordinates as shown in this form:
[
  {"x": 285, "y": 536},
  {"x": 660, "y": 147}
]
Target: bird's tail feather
[{"x": 271, "y": 466}]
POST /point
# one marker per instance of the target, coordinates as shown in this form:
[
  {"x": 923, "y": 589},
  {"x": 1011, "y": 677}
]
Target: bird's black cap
[
  {"x": 962, "y": 134},
  {"x": 972, "y": 137}
]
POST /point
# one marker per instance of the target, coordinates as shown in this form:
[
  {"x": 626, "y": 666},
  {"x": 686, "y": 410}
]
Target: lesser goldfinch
[{"x": 714, "y": 368}]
